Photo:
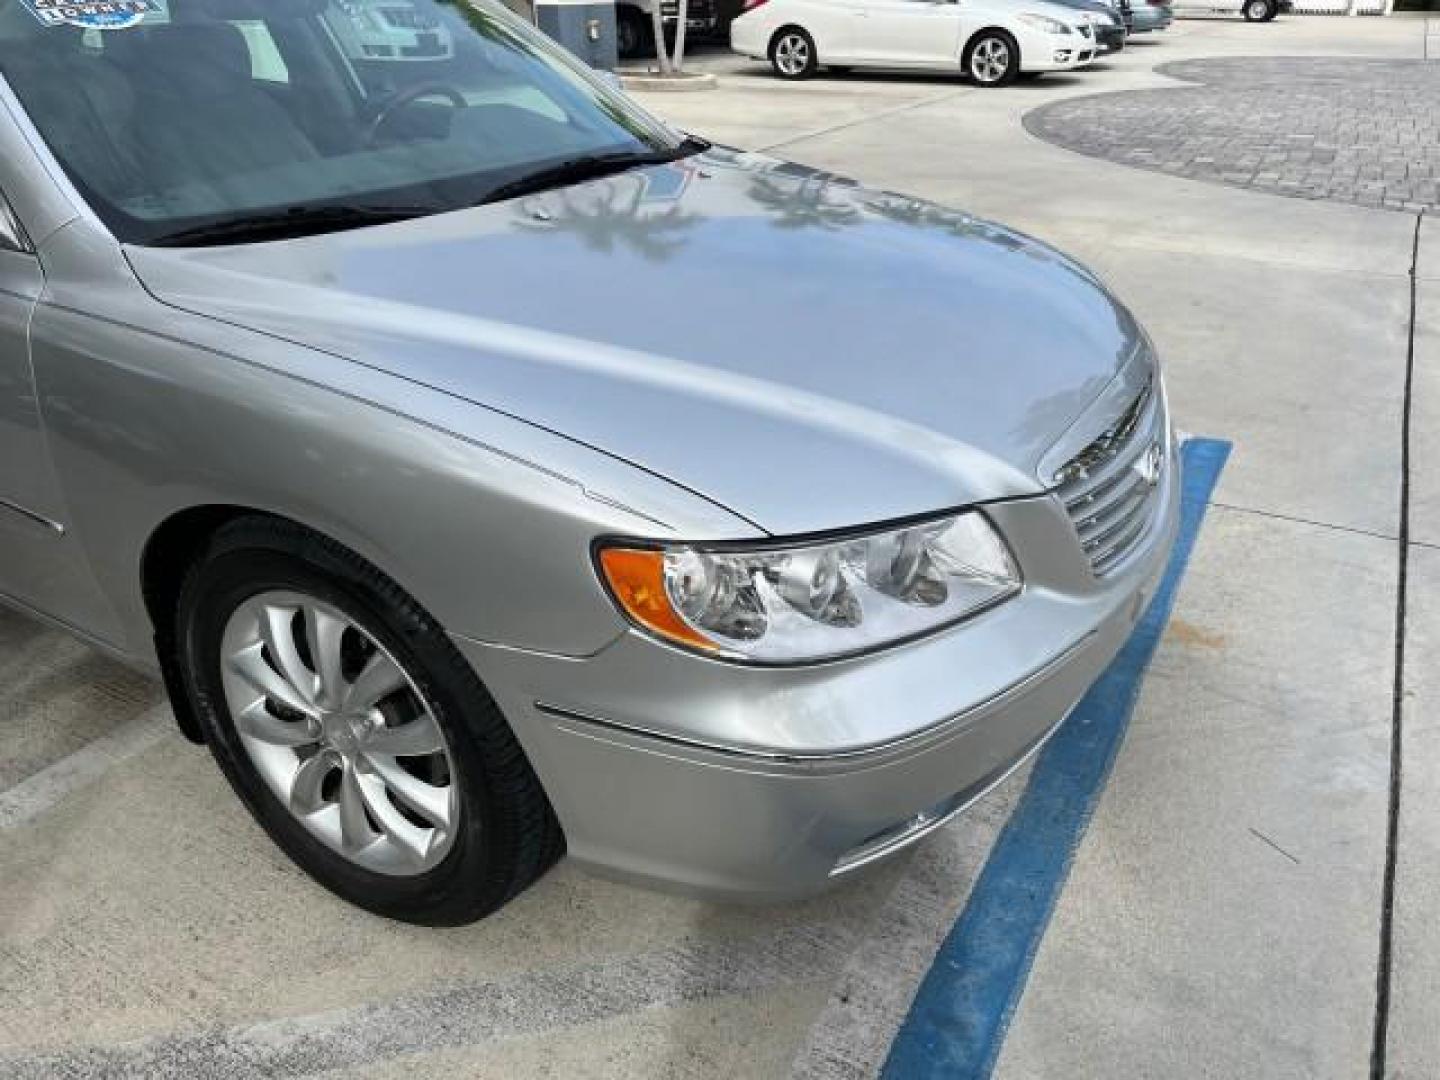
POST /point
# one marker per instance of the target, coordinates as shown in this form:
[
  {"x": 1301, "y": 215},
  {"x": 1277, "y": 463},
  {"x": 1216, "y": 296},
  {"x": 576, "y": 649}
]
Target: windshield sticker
[{"x": 92, "y": 14}]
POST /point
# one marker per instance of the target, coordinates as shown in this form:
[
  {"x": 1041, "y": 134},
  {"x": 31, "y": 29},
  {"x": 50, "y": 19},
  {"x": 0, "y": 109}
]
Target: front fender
[{"x": 485, "y": 519}]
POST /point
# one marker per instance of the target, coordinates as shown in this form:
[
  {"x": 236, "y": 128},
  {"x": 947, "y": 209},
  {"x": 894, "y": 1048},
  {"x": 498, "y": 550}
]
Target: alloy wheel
[
  {"x": 792, "y": 54},
  {"x": 340, "y": 733},
  {"x": 990, "y": 60}
]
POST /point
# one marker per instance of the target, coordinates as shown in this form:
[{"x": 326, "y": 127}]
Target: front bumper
[
  {"x": 1110, "y": 38},
  {"x": 1056, "y": 52},
  {"x": 761, "y": 783}
]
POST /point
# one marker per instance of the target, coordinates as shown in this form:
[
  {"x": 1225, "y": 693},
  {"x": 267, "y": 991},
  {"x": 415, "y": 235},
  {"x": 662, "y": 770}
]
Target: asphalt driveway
[{"x": 1225, "y": 911}]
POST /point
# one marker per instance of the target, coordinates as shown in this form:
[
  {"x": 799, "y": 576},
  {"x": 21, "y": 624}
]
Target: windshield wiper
[
  {"x": 590, "y": 167},
  {"x": 292, "y": 222}
]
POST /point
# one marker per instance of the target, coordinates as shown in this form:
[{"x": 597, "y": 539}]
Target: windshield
[{"x": 170, "y": 115}]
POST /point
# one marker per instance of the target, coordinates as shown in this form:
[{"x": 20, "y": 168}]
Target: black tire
[
  {"x": 508, "y": 835},
  {"x": 984, "y": 44},
  {"x": 793, "y": 42},
  {"x": 634, "y": 34},
  {"x": 1260, "y": 10}
]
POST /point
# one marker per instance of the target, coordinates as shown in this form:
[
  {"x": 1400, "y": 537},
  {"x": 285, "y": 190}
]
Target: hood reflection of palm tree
[
  {"x": 920, "y": 212},
  {"x": 803, "y": 202},
  {"x": 909, "y": 211},
  {"x": 604, "y": 218}
]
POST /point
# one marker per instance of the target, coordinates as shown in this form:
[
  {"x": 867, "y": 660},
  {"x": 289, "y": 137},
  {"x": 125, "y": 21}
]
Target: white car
[
  {"x": 1253, "y": 10},
  {"x": 992, "y": 41}
]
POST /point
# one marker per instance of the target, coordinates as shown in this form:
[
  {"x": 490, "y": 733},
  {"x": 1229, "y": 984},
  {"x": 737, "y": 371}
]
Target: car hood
[
  {"x": 1072, "y": 14},
  {"x": 807, "y": 353}
]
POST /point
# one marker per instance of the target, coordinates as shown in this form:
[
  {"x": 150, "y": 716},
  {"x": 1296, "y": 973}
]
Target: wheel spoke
[
  {"x": 324, "y": 632},
  {"x": 430, "y": 802},
  {"x": 258, "y": 723},
  {"x": 278, "y": 634},
  {"x": 379, "y": 679},
  {"x": 311, "y": 694},
  {"x": 419, "y": 737},
  {"x": 407, "y": 836},
  {"x": 250, "y": 665},
  {"x": 306, "y": 789},
  {"x": 355, "y": 831}
]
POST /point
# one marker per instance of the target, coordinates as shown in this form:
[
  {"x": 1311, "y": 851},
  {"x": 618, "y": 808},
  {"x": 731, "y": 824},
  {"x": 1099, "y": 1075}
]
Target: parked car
[
  {"x": 635, "y": 25},
  {"x": 1253, "y": 10},
  {"x": 332, "y": 406},
  {"x": 1149, "y": 15},
  {"x": 992, "y": 41},
  {"x": 388, "y": 31},
  {"x": 1106, "y": 20}
]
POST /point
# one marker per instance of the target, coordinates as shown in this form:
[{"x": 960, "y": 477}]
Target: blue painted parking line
[{"x": 957, "y": 1022}]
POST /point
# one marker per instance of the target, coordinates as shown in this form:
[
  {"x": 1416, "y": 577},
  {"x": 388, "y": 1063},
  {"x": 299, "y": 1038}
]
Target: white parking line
[
  {"x": 36, "y": 794},
  {"x": 852, "y": 1036}
]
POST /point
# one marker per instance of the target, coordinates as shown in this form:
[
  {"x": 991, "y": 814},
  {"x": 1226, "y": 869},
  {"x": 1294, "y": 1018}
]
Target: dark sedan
[{"x": 1108, "y": 21}]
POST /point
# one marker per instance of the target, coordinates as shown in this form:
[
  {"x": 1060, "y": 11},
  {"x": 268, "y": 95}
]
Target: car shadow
[{"x": 1051, "y": 79}]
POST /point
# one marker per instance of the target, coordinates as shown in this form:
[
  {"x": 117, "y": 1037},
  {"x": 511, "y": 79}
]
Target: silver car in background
[
  {"x": 1150, "y": 15},
  {"x": 324, "y": 391}
]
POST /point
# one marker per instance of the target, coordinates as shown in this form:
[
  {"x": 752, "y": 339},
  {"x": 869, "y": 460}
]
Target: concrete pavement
[
  {"x": 1223, "y": 916},
  {"x": 1414, "y": 1036}
]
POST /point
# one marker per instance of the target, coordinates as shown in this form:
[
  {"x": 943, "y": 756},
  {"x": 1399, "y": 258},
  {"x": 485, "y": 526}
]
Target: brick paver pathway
[{"x": 1358, "y": 131}]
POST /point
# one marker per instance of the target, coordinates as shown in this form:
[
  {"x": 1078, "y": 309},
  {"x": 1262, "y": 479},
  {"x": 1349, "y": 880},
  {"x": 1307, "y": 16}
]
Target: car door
[
  {"x": 21, "y": 480},
  {"x": 41, "y": 565},
  {"x": 29, "y": 532},
  {"x": 910, "y": 33}
]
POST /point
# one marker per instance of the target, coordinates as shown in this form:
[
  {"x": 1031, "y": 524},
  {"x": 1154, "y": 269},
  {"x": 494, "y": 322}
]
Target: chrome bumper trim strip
[{"x": 802, "y": 757}]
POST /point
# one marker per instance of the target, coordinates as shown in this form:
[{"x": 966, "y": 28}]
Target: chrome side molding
[{"x": 32, "y": 517}]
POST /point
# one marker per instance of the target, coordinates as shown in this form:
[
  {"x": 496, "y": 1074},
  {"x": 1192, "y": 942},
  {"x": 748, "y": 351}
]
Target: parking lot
[{"x": 1226, "y": 910}]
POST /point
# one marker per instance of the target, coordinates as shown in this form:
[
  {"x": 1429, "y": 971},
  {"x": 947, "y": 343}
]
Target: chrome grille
[{"x": 1110, "y": 488}]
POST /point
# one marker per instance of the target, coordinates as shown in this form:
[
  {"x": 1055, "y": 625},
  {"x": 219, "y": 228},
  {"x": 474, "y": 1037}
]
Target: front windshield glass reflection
[{"x": 187, "y": 112}]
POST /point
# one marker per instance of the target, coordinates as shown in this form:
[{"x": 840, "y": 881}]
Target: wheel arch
[
  {"x": 627, "y": 9},
  {"x": 776, "y": 34},
  {"x": 168, "y": 553},
  {"x": 992, "y": 28}
]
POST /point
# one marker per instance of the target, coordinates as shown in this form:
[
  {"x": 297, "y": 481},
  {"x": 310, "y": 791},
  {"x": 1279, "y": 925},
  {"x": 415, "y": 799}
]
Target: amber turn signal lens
[{"x": 637, "y": 580}]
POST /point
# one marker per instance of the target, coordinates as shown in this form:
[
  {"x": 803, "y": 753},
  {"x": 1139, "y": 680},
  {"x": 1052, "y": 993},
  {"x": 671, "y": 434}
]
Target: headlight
[
  {"x": 1045, "y": 23},
  {"x": 783, "y": 603}
]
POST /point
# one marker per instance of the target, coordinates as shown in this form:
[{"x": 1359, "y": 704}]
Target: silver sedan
[{"x": 491, "y": 471}]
